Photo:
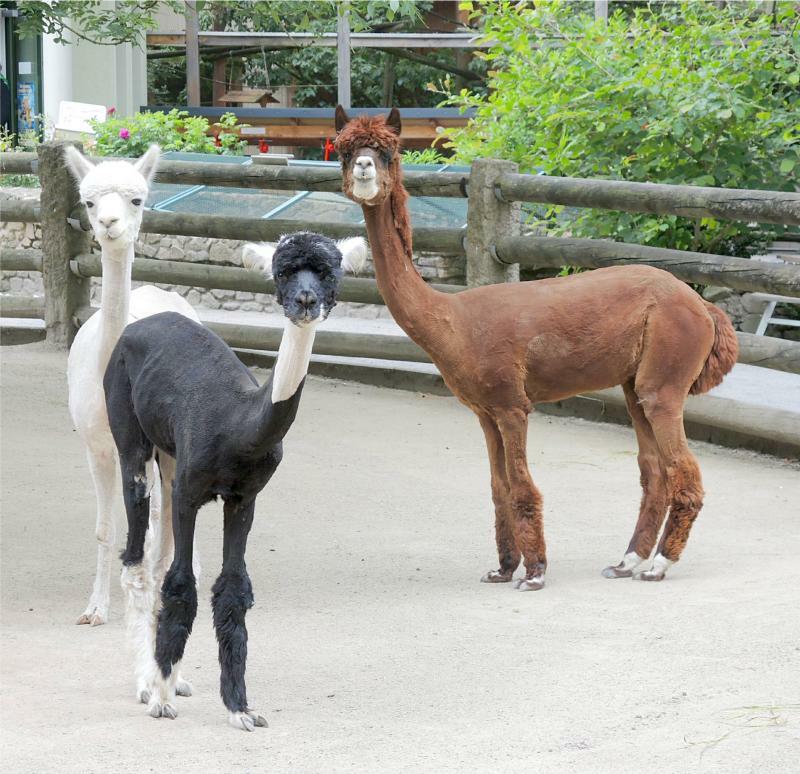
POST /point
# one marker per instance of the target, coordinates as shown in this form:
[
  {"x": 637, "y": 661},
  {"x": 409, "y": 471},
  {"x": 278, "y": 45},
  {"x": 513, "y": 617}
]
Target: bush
[
  {"x": 424, "y": 156},
  {"x": 173, "y": 131},
  {"x": 682, "y": 93}
]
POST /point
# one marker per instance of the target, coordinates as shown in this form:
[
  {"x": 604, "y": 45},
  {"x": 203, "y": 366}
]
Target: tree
[
  {"x": 89, "y": 20},
  {"x": 312, "y": 70},
  {"x": 683, "y": 93}
]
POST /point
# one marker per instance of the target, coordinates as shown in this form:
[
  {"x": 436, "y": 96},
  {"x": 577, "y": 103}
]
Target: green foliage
[
  {"x": 425, "y": 156},
  {"x": 124, "y": 22},
  {"x": 312, "y": 71},
  {"x": 10, "y": 143},
  {"x": 173, "y": 131},
  {"x": 682, "y": 93}
]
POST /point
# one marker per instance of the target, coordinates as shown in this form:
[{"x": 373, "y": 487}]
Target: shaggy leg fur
[
  {"x": 507, "y": 550},
  {"x": 103, "y": 466},
  {"x": 178, "y": 609},
  {"x": 160, "y": 554},
  {"x": 654, "y": 492},
  {"x": 232, "y": 598},
  {"x": 525, "y": 500}
]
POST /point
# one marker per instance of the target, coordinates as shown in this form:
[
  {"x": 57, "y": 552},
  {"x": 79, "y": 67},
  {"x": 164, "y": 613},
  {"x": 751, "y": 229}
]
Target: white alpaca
[{"x": 114, "y": 193}]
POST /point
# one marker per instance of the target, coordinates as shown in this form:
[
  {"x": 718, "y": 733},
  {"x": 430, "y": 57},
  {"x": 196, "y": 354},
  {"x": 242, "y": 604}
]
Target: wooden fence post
[
  {"x": 63, "y": 291},
  {"x": 489, "y": 217}
]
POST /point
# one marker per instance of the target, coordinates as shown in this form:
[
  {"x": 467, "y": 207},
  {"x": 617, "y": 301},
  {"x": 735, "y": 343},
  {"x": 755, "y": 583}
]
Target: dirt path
[{"x": 372, "y": 645}]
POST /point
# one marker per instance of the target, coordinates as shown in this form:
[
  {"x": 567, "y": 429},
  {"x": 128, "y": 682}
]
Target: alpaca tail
[{"x": 723, "y": 355}]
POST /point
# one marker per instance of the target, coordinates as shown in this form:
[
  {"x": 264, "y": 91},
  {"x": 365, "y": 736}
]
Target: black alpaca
[{"x": 175, "y": 388}]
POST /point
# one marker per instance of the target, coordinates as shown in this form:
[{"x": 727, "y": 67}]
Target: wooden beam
[
  {"x": 413, "y": 40},
  {"x": 363, "y": 290},
  {"x": 20, "y": 259},
  {"x": 26, "y": 307},
  {"x": 19, "y": 164},
  {"x": 445, "y": 241},
  {"x": 343, "y": 55},
  {"x": 686, "y": 200},
  {"x": 764, "y": 351},
  {"x": 701, "y": 268},
  {"x": 297, "y": 178},
  {"x": 13, "y": 210},
  {"x": 192, "y": 54}
]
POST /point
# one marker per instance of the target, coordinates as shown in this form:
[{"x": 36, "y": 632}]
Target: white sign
[
  {"x": 75, "y": 116},
  {"x": 25, "y": 68}
]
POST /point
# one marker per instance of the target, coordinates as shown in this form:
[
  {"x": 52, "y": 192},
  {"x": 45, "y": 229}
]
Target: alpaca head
[
  {"x": 368, "y": 147},
  {"x": 114, "y": 193},
  {"x": 307, "y": 269}
]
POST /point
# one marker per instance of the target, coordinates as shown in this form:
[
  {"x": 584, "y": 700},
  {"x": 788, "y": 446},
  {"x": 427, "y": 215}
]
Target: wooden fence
[{"x": 491, "y": 241}]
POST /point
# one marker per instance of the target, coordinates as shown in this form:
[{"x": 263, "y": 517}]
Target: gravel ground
[{"x": 372, "y": 644}]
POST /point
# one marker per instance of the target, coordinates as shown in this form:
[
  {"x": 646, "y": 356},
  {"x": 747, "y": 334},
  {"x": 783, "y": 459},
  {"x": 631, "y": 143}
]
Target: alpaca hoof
[
  {"x": 247, "y": 720},
  {"x": 617, "y": 571},
  {"x": 157, "y": 710},
  {"x": 650, "y": 575},
  {"x": 143, "y": 695},
  {"x": 183, "y": 687},
  {"x": 497, "y": 576},
  {"x": 92, "y": 617},
  {"x": 530, "y": 584}
]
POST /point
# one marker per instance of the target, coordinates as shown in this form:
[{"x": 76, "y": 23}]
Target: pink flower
[
  {"x": 124, "y": 134},
  {"x": 110, "y": 111}
]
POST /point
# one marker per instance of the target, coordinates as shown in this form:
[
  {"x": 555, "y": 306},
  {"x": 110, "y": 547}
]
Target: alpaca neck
[
  {"x": 294, "y": 355},
  {"x": 115, "y": 298},
  {"x": 275, "y": 403},
  {"x": 417, "y": 308}
]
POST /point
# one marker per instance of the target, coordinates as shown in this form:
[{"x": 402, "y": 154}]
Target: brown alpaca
[{"x": 503, "y": 348}]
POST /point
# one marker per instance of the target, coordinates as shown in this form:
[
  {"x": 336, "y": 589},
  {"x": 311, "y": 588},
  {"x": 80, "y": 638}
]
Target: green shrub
[
  {"x": 173, "y": 131},
  {"x": 424, "y": 156},
  {"x": 10, "y": 143},
  {"x": 682, "y": 93}
]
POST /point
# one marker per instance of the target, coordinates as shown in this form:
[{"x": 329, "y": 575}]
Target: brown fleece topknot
[{"x": 367, "y": 132}]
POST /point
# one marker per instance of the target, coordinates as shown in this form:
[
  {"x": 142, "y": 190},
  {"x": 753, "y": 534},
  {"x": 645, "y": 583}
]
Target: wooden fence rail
[
  {"x": 362, "y": 290},
  {"x": 688, "y": 201},
  {"x": 701, "y": 268},
  {"x": 20, "y": 259},
  {"x": 13, "y": 210},
  {"x": 493, "y": 249}
]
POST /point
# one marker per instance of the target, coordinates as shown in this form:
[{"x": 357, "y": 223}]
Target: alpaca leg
[
  {"x": 103, "y": 466},
  {"x": 136, "y": 578},
  {"x": 161, "y": 549},
  {"x": 653, "y": 479},
  {"x": 524, "y": 498},
  {"x": 685, "y": 485},
  {"x": 178, "y": 609},
  {"x": 507, "y": 550},
  {"x": 232, "y": 598}
]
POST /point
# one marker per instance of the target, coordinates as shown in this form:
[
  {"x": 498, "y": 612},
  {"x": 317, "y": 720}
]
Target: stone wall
[{"x": 435, "y": 268}]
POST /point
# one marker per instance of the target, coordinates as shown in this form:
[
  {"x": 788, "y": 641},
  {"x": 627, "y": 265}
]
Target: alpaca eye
[
  {"x": 89, "y": 204},
  {"x": 347, "y": 157},
  {"x": 136, "y": 202}
]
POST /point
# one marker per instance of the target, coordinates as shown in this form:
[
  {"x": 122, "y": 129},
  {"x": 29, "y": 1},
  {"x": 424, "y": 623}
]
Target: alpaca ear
[
  {"x": 146, "y": 164},
  {"x": 77, "y": 163},
  {"x": 341, "y": 118},
  {"x": 258, "y": 257},
  {"x": 354, "y": 254},
  {"x": 393, "y": 120}
]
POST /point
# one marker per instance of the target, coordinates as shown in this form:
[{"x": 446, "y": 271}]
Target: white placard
[
  {"x": 25, "y": 68},
  {"x": 75, "y": 116}
]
